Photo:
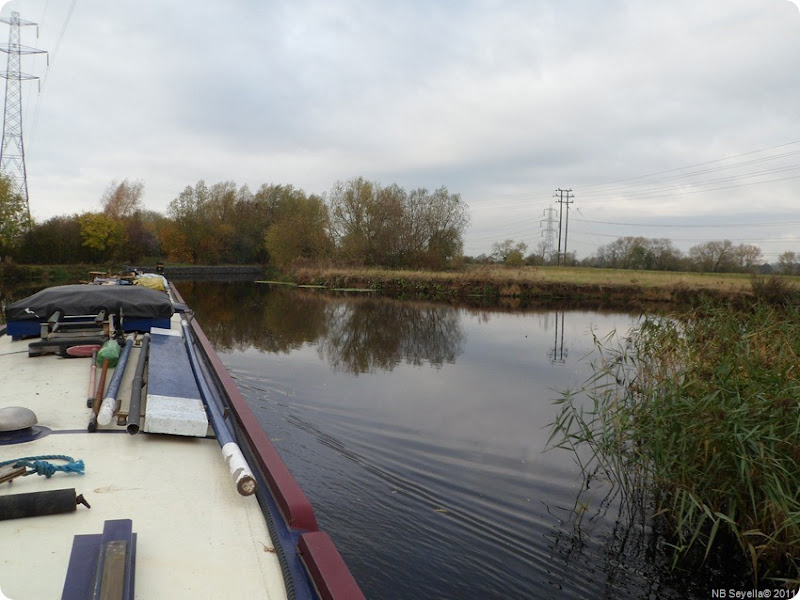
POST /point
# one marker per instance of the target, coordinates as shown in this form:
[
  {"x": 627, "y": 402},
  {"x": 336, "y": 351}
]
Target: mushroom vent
[{"x": 18, "y": 425}]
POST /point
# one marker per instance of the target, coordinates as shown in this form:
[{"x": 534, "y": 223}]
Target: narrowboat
[{"x": 131, "y": 465}]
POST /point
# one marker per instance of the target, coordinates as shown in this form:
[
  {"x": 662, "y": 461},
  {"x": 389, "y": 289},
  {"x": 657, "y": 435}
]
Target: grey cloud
[{"x": 501, "y": 101}]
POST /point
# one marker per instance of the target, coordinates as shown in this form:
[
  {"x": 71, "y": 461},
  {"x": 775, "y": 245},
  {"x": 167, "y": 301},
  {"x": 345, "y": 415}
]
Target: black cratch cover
[{"x": 129, "y": 301}]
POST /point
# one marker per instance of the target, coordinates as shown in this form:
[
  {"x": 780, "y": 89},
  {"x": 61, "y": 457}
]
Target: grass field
[
  {"x": 611, "y": 286},
  {"x": 572, "y": 275}
]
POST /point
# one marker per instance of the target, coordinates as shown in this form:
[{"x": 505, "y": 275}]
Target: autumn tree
[
  {"x": 14, "y": 219},
  {"x": 509, "y": 252},
  {"x": 221, "y": 217},
  {"x": 174, "y": 242},
  {"x": 665, "y": 256},
  {"x": 788, "y": 263},
  {"x": 142, "y": 235},
  {"x": 191, "y": 235},
  {"x": 636, "y": 252},
  {"x": 254, "y": 215},
  {"x": 747, "y": 256},
  {"x": 299, "y": 229},
  {"x": 121, "y": 200},
  {"x": 363, "y": 220},
  {"x": 101, "y": 235},
  {"x": 55, "y": 241},
  {"x": 440, "y": 220},
  {"x": 386, "y": 225},
  {"x": 714, "y": 257},
  {"x": 221, "y": 223}
]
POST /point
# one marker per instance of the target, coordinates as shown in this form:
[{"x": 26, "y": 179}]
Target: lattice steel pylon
[
  {"x": 549, "y": 233},
  {"x": 12, "y": 149}
]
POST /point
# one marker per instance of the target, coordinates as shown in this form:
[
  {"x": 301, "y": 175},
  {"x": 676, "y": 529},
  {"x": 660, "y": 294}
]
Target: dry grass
[{"x": 498, "y": 274}]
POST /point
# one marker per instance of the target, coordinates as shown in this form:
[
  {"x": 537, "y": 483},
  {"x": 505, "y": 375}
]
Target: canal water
[{"x": 418, "y": 431}]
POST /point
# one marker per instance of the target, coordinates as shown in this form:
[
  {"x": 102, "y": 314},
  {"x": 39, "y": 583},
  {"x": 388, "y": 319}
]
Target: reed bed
[{"x": 701, "y": 414}]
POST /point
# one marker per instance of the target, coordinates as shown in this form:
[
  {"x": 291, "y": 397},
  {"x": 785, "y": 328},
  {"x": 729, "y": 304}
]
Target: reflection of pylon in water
[
  {"x": 12, "y": 150},
  {"x": 559, "y": 353}
]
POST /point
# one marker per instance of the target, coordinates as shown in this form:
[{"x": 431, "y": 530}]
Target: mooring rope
[{"x": 41, "y": 466}]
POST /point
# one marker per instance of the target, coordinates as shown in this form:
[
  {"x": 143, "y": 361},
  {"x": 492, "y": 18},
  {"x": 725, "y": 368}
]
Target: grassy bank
[
  {"x": 619, "y": 288},
  {"x": 475, "y": 284},
  {"x": 701, "y": 416}
]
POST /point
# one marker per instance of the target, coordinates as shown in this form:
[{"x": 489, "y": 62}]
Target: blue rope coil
[{"x": 40, "y": 465}]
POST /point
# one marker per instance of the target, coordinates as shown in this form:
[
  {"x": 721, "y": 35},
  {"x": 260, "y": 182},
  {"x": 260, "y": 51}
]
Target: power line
[
  {"x": 692, "y": 166},
  {"x": 662, "y": 194},
  {"x": 679, "y": 181},
  {"x": 591, "y": 234},
  {"x": 642, "y": 180},
  {"x": 678, "y": 186},
  {"x": 697, "y": 225}
]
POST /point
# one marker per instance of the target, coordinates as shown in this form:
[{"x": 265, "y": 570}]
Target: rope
[{"x": 40, "y": 466}]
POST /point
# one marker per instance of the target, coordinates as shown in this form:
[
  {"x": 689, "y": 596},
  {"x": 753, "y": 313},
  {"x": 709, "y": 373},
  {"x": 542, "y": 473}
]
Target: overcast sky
[{"x": 502, "y": 102}]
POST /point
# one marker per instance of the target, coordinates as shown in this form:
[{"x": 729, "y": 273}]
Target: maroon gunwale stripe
[{"x": 324, "y": 564}]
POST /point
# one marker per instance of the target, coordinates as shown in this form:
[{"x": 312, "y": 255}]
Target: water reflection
[
  {"x": 238, "y": 315},
  {"x": 364, "y": 335},
  {"x": 559, "y": 353},
  {"x": 353, "y": 334}
]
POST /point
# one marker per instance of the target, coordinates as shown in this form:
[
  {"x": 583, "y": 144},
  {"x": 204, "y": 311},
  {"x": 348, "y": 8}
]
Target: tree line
[
  {"x": 358, "y": 222},
  {"x": 718, "y": 256},
  {"x": 656, "y": 254}
]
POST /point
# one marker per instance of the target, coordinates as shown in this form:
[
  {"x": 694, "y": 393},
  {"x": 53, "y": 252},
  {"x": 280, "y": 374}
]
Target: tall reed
[{"x": 703, "y": 412}]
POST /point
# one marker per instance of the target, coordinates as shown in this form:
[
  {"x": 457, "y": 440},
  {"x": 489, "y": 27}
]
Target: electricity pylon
[
  {"x": 549, "y": 234},
  {"x": 12, "y": 149}
]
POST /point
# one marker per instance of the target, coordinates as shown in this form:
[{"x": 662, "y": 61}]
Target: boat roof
[{"x": 195, "y": 535}]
